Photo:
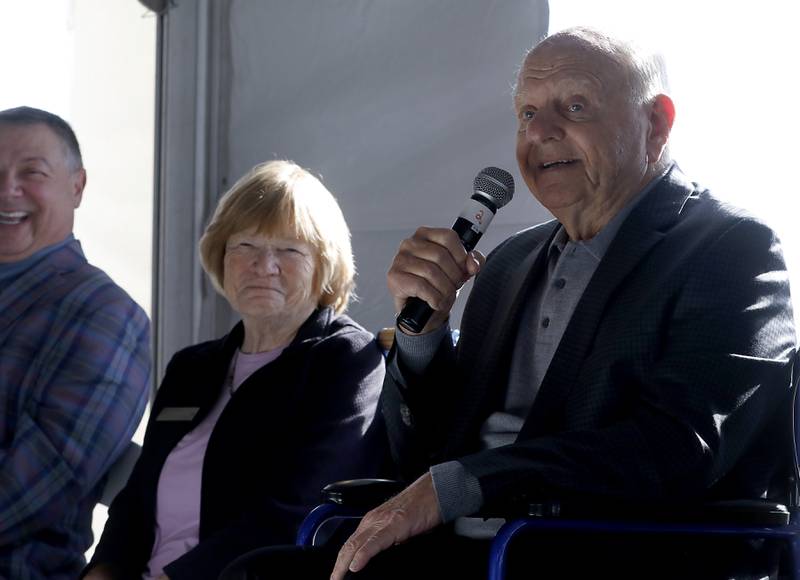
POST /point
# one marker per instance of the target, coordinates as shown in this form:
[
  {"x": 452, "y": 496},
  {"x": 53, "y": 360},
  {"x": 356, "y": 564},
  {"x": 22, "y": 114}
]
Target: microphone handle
[
  {"x": 415, "y": 315},
  {"x": 416, "y": 312}
]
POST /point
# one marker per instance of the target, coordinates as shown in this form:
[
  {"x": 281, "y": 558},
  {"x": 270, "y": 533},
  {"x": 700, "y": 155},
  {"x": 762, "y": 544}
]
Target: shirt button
[
  {"x": 545, "y": 322},
  {"x": 560, "y": 283},
  {"x": 405, "y": 415}
]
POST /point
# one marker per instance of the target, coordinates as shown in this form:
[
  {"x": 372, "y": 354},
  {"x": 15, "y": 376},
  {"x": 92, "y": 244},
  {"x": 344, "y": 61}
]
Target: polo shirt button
[
  {"x": 560, "y": 283},
  {"x": 405, "y": 415},
  {"x": 545, "y": 322}
]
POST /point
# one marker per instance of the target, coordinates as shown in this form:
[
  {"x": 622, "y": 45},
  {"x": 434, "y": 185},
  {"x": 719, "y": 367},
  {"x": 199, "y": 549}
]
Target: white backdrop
[{"x": 396, "y": 105}]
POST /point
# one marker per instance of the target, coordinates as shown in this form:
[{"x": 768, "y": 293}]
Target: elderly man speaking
[
  {"x": 74, "y": 355},
  {"x": 635, "y": 348}
]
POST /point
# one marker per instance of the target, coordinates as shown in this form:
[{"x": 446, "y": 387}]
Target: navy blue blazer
[
  {"x": 304, "y": 420},
  {"x": 671, "y": 380}
]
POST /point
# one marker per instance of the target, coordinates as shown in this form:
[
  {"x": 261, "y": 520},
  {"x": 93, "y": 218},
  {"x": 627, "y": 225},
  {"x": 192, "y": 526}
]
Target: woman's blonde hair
[{"x": 282, "y": 198}]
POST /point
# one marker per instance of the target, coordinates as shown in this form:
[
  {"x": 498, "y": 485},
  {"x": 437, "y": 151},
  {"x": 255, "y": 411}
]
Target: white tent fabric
[{"x": 395, "y": 104}]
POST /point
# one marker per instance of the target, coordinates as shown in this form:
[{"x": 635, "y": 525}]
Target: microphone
[{"x": 493, "y": 188}]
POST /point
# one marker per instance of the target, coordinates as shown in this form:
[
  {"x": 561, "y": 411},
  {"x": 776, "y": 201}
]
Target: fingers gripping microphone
[{"x": 493, "y": 188}]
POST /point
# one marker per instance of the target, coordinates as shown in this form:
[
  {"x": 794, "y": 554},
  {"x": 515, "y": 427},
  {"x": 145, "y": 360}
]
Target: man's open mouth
[
  {"x": 12, "y": 218},
  {"x": 557, "y": 163}
]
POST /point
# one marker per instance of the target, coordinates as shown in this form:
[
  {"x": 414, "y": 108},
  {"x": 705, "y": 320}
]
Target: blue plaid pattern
[{"x": 74, "y": 381}]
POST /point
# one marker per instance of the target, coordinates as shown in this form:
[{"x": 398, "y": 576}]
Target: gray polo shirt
[{"x": 570, "y": 266}]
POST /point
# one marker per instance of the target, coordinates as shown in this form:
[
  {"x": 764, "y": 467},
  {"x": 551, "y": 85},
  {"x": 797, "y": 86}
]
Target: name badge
[{"x": 177, "y": 413}]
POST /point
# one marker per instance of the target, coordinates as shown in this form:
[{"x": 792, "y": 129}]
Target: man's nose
[
  {"x": 545, "y": 126},
  {"x": 8, "y": 184}
]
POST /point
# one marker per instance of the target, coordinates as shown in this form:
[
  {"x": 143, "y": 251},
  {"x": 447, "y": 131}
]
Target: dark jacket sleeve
[
  {"x": 418, "y": 408},
  {"x": 414, "y": 410}
]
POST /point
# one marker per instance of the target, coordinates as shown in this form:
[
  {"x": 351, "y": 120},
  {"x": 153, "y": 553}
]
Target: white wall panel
[{"x": 395, "y": 104}]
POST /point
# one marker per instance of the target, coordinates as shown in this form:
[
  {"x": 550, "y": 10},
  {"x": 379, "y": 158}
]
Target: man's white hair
[{"x": 646, "y": 71}]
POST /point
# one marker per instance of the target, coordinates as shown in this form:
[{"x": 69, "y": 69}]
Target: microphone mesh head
[{"x": 496, "y": 183}]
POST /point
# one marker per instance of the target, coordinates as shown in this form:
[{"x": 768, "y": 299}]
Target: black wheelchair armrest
[
  {"x": 754, "y": 512},
  {"x": 344, "y": 503},
  {"x": 369, "y": 493},
  {"x": 361, "y": 493}
]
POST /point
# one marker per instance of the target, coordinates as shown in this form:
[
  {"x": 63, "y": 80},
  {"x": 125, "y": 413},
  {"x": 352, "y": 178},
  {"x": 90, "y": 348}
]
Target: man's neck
[
  {"x": 586, "y": 224},
  {"x": 13, "y": 269}
]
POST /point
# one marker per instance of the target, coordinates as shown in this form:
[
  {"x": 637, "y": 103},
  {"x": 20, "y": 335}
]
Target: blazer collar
[
  {"x": 212, "y": 363},
  {"x": 644, "y": 228},
  {"x": 314, "y": 326}
]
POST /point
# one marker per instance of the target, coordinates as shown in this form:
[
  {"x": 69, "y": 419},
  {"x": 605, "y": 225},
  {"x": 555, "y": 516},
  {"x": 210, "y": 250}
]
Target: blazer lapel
[
  {"x": 642, "y": 230},
  {"x": 212, "y": 370}
]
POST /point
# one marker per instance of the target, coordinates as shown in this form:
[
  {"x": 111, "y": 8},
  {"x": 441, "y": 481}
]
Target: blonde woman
[{"x": 246, "y": 429}]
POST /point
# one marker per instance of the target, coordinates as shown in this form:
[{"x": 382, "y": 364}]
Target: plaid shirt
[{"x": 74, "y": 379}]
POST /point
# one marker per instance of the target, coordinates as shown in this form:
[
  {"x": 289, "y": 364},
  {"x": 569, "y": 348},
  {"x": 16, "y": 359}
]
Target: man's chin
[
  {"x": 15, "y": 248},
  {"x": 558, "y": 196}
]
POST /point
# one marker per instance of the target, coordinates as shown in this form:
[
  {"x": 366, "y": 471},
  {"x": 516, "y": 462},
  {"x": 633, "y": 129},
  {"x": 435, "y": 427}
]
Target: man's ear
[
  {"x": 78, "y": 184},
  {"x": 661, "y": 117}
]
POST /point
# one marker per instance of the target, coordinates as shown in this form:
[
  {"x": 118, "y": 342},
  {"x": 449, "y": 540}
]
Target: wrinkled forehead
[
  {"x": 270, "y": 232},
  {"x": 32, "y": 140},
  {"x": 262, "y": 232},
  {"x": 568, "y": 61},
  {"x": 561, "y": 79}
]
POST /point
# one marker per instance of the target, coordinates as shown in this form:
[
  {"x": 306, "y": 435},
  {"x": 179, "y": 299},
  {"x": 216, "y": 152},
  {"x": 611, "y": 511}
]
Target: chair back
[
  {"x": 119, "y": 472},
  {"x": 794, "y": 492},
  {"x": 385, "y": 338}
]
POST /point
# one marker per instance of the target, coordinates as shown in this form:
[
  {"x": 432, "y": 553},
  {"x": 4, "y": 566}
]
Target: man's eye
[
  {"x": 575, "y": 108},
  {"x": 526, "y": 115}
]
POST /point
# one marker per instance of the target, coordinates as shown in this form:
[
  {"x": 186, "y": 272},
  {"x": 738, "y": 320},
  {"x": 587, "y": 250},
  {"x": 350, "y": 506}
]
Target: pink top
[{"x": 178, "y": 496}]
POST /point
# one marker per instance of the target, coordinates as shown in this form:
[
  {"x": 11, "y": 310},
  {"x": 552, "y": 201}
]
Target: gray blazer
[{"x": 671, "y": 380}]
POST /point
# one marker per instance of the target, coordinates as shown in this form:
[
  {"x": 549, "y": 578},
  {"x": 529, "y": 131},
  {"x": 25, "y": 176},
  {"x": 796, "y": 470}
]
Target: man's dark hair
[{"x": 32, "y": 116}]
